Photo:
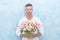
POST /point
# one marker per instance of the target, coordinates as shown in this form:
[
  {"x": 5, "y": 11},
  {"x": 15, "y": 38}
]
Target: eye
[{"x": 27, "y": 9}]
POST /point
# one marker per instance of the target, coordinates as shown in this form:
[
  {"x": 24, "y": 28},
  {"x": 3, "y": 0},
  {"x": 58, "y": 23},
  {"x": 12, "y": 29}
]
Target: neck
[{"x": 29, "y": 17}]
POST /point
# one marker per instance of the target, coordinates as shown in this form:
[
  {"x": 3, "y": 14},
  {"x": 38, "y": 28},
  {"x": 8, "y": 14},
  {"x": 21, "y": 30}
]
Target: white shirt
[{"x": 18, "y": 30}]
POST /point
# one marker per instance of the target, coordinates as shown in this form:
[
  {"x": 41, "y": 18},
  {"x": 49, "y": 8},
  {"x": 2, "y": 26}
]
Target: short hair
[{"x": 28, "y": 5}]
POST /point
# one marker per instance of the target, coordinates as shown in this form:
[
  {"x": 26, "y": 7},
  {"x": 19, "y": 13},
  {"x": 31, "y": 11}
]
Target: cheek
[
  {"x": 29, "y": 10},
  {"x": 26, "y": 11}
]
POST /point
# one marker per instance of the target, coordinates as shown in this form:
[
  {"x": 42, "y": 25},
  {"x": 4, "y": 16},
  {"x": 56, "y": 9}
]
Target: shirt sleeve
[
  {"x": 41, "y": 27},
  {"x": 18, "y": 30}
]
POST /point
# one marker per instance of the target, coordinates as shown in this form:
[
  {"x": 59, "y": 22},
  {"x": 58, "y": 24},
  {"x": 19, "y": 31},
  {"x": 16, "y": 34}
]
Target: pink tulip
[{"x": 27, "y": 26}]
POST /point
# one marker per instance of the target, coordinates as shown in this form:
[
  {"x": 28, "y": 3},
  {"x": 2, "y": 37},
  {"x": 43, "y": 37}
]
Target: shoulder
[
  {"x": 37, "y": 18},
  {"x": 21, "y": 19}
]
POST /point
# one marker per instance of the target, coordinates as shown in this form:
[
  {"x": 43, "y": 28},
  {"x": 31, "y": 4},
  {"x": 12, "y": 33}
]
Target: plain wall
[{"x": 13, "y": 10}]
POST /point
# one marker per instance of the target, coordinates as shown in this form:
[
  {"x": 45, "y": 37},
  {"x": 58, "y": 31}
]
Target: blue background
[{"x": 47, "y": 10}]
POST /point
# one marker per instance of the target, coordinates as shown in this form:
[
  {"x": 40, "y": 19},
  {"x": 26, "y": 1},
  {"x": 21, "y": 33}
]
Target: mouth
[{"x": 29, "y": 12}]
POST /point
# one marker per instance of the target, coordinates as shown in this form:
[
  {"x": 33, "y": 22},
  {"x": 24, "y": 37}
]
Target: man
[{"x": 29, "y": 17}]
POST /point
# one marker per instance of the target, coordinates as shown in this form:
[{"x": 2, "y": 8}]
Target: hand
[
  {"x": 35, "y": 35},
  {"x": 27, "y": 36},
  {"x": 32, "y": 36},
  {"x": 24, "y": 35}
]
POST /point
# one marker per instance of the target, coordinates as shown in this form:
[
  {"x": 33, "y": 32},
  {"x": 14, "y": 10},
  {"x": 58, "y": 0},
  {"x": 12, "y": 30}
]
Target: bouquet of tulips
[{"x": 29, "y": 27}]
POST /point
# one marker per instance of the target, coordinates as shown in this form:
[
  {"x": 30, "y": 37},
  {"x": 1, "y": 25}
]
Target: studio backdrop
[{"x": 47, "y": 10}]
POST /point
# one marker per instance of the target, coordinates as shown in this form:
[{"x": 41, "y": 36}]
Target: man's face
[{"x": 29, "y": 10}]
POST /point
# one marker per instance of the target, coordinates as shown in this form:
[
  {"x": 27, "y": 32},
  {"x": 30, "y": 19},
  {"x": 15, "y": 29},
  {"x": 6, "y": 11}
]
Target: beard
[{"x": 29, "y": 13}]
